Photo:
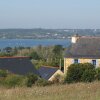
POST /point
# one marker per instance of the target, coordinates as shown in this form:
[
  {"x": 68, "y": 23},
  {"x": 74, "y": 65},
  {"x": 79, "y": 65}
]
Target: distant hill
[{"x": 39, "y": 33}]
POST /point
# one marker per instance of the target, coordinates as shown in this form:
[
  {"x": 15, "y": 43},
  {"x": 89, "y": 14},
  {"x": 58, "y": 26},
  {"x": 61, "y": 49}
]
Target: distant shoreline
[{"x": 39, "y": 33}]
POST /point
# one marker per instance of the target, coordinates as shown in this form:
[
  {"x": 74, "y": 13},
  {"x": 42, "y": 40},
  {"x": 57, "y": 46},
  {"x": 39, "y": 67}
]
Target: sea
[{"x": 33, "y": 42}]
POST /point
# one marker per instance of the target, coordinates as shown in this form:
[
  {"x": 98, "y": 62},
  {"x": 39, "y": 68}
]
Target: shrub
[
  {"x": 32, "y": 78},
  {"x": 87, "y": 66},
  {"x": 88, "y": 75},
  {"x": 13, "y": 80},
  {"x": 75, "y": 72},
  {"x": 3, "y": 73},
  {"x": 98, "y": 73},
  {"x": 42, "y": 82}
]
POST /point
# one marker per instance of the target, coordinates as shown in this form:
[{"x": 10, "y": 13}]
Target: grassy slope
[{"x": 77, "y": 91}]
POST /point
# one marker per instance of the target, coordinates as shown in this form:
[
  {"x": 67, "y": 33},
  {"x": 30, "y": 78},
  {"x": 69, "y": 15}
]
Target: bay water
[{"x": 33, "y": 42}]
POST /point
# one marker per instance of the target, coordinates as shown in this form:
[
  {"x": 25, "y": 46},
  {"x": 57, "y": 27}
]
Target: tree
[
  {"x": 57, "y": 50},
  {"x": 57, "y": 55},
  {"x": 34, "y": 55},
  {"x": 8, "y": 49},
  {"x": 15, "y": 50}
]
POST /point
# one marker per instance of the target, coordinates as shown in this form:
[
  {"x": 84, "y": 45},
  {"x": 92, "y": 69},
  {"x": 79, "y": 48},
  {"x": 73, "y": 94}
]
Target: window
[
  {"x": 94, "y": 62},
  {"x": 76, "y": 61}
]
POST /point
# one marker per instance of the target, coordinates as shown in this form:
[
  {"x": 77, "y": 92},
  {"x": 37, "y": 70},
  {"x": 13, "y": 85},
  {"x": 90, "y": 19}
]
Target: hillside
[
  {"x": 39, "y": 33},
  {"x": 79, "y": 91}
]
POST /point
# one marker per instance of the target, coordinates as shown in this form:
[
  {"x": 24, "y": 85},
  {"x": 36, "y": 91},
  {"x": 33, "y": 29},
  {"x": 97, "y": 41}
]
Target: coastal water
[{"x": 32, "y": 42}]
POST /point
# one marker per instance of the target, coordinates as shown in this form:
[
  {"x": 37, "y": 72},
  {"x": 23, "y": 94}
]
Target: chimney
[{"x": 75, "y": 38}]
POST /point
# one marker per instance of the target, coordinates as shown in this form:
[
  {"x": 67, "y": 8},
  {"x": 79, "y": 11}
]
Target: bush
[
  {"x": 87, "y": 66},
  {"x": 32, "y": 78},
  {"x": 75, "y": 72},
  {"x": 42, "y": 82},
  {"x": 13, "y": 80},
  {"x": 3, "y": 73},
  {"x": 98, "y": 73},
  {"x": 88, "y": 75}
]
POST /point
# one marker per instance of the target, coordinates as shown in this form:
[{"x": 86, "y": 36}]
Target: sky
[{"x": 69, "y": 14}]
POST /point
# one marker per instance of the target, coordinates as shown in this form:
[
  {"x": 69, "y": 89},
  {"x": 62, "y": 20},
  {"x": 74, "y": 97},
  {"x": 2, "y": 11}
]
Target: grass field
[{"x": 79, "y": 91}]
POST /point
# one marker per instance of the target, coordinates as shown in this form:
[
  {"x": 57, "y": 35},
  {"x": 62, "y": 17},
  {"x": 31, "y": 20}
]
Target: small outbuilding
[{"x": 49, "y": 73}]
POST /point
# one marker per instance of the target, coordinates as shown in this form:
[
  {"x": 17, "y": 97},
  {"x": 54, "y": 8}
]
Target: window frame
[
  {"x": 76, "y": 61},
  {"x": 94, "y": 63}
]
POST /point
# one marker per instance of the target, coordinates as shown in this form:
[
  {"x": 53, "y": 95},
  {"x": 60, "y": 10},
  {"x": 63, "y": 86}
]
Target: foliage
[
  {"x": 3, "y": 73},
  {"x": 45, "y": 55},
  {"x": 98, "y": 73},
  {"x": 76, "y": 72},
  {"x": 42, "y": 82},
  {"x": 88, "y": 75},
  {"x": 3, "y": 54},
  {"x": 34, "y": 55},
  {"x": 32, "y": 78},
  {"x": 13, "y": 80},
  {"x": 39, "y": 63},
  {"x": 57, "y": 49},
  {"x": 7, "y": 49},
  {"x": 57, "y": 54},
  {"x": 15, "y": 51}
]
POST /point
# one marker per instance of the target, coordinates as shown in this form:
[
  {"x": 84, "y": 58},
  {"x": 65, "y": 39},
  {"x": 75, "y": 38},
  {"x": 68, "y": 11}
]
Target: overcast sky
[{"x": 50, "y": 14}]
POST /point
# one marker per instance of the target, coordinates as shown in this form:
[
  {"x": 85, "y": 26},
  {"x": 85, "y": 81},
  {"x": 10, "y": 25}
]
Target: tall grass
[{"x": 79, "y": 91}]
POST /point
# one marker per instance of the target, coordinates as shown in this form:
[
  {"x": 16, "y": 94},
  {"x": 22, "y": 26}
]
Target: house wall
[
  {"x": 69, "y": 61},
  {"x": 58, "y": 72}
]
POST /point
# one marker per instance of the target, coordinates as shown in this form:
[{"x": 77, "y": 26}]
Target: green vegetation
[
  {"x": 88, "y": 75},
  {"x": 10, "y": 80},
  {"x": 8, "y": 51},
  {"x": 98, "y": 74},
  {"x": 34, "y": 55},
  {"x": 40, "y": 55},
  {"x": 76, "y": 73},
  {"x": 42, "y": 82},
  {"x": 13, "y": 81},
  {"x": 81, "y": 73},
  {"x": 32, "y": 78},
  {"x": 57, "y": 55},
  {"x": 3, "y": 73}
]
